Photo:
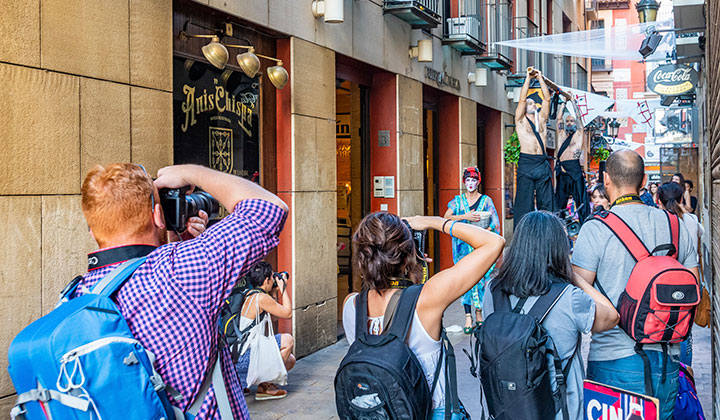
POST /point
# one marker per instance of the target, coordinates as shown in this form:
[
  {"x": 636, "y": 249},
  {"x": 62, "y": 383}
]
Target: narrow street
[{"x": 311, "y": 393}]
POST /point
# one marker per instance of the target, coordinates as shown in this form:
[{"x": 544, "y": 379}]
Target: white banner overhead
[
  {"x": 640, "y": 110},
  {"x": 589, "y": 104},
  {"x": 620, "y": 42}
]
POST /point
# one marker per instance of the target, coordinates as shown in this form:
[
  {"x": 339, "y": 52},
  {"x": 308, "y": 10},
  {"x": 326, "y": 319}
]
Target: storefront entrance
[{"x": 352, "y": 159}]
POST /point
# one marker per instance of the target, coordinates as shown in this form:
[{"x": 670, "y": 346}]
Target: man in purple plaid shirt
[{"x": 172, "y": 301}]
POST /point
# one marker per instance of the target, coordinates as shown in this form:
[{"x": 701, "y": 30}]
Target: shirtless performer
[
  {"x": 534, "y": 176},
  {"x": 569, "y": 175}
]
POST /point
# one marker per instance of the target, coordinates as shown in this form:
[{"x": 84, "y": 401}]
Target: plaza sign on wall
[
  {"x": 216, "y": 116},
  {"x": 672, "y": 80}
]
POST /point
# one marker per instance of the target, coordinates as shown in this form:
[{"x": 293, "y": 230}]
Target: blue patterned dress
[{"x": 459, "y": 205}]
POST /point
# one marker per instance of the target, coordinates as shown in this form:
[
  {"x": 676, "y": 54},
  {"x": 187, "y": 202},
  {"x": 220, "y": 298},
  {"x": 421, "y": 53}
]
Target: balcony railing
[
  {"x": 525, "y": 28},
  {"x": 465, "y": 32},
  {"x": 418, "y": 13},
  {"x": 498, "y": 14}
]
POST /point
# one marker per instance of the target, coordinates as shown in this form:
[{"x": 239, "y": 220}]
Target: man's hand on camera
[
  {"x": 174, "y": 177},
  {"x": 196, "y": 225}
]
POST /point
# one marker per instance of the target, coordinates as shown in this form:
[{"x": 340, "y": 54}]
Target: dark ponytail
[{"x": 670, "y": 195}]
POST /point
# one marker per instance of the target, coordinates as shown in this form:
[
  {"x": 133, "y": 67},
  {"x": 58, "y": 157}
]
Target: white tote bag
[{"x": 266, "y": 363}]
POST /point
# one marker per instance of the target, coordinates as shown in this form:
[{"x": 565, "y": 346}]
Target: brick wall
[{"x": 84, "y": 82}]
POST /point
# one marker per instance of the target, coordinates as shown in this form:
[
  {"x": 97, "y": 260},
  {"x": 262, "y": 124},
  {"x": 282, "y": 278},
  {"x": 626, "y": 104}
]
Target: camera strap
[
  {"x": 400, "y": 283},
  {"x": 110, "y": 256},
  {"x": 628, "y": 198}
]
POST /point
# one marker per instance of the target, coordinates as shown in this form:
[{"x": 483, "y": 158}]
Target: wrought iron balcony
[
  {"x": 498, "y": 14},
  {"x": 466, "y": 31},
  {"x": 418, "y": 13}
]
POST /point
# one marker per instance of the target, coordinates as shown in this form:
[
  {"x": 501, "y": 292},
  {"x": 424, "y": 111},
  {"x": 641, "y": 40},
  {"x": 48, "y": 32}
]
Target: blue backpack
[
  {"x": 687, "y": 406},
  {"x": 81, "y": 361}
]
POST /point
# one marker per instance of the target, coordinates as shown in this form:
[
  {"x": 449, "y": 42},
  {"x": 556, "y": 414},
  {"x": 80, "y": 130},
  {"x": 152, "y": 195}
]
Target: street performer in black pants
[
  {"x": 569, "y": 175},
  {"x": 534, "y": 176}
]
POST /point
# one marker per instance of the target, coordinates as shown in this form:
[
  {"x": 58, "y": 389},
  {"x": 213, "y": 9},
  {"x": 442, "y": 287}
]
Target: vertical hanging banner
[
  {"x": 602, "y": 402},
  {"x": 216, "y": 118},
  {"x": 589, "y": 104}
]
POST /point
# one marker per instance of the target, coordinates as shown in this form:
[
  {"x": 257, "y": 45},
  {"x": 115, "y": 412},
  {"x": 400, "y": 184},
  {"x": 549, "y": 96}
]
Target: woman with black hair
[
  {"x": 528, "y": 271},
  {"x": 671, "y": 198},
  {"x": 260, "y": 297}
]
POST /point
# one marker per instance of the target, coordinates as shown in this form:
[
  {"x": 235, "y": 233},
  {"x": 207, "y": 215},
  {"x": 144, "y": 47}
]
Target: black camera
[
  {"x": 571, "y": 225},
  {"x": 179, "y": 206},
  {"x": 420, "y": 239},
  {"x": 279, "y": 277}
]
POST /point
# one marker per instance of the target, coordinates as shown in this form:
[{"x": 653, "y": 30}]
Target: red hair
[{"x": 116, "y": 200}]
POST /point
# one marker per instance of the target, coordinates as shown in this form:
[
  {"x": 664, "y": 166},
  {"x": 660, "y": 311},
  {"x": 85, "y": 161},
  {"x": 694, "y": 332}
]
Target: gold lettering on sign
[{"x": 221, "y": 101}]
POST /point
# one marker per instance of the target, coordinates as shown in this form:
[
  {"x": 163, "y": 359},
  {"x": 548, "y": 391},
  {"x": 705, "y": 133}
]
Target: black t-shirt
[{"x": 693, "y": 203}]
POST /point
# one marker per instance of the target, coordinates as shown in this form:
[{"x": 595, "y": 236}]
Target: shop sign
[
  {"x": 216, "y": 118},
  {"x": 603, "y": 402},
  {"x": 672, "y": 80},
  {"x": 442, "y": 78}
]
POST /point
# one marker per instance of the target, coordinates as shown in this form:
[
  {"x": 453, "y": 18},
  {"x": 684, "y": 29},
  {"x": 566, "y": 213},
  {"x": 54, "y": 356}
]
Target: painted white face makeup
[{"x": 471, "y": 184}]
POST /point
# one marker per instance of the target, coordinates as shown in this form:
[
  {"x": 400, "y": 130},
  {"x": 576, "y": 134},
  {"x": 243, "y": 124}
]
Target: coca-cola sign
[{"x": 672, "y": 80}]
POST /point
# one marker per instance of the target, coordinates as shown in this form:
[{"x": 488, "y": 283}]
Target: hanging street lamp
[{"x": 647, "y": 10}]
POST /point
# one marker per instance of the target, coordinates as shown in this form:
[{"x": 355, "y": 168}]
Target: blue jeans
[
  {"x": 686, "y": 351},
  {"x": 628, "y": 373},
  {"x": 439, "y": 414}
]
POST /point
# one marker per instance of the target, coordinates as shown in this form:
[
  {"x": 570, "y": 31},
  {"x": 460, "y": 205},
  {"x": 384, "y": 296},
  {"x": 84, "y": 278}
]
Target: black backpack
[
  {"x": 229, "y": 321},
  {"x": 380, "y": 378},
  {"x": 511, "y": 352}
]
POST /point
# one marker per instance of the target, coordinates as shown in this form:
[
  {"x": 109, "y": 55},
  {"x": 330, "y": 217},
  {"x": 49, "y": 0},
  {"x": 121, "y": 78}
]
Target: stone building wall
[{"x": 84, "y": 82}]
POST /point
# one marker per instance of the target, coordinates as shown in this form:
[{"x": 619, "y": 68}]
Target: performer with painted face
[
  {"x": 569, "y": 175},
  {"x": 477, "y": 209},
  {"x": 534, "y": 176}
]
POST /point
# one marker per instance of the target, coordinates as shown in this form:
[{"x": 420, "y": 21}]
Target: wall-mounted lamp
[
  {"x": 249, "y": 62},
  {"x": 333, "y": 11},
  {"x": 478, "y": 77},
  {"x": 214, "y": 52},
  {"x": 217, "y": 54},
  {"x": 423, "y": 51}
]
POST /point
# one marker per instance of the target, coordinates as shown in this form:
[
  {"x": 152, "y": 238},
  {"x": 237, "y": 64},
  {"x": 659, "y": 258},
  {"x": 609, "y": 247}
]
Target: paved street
[{"x": 310, "y": 388}]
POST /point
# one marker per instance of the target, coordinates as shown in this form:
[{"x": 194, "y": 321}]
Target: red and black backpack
[{"x": 659, "y": 300}]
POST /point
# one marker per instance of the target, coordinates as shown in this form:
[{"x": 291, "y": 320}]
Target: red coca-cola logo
[{"x": 673, "y": 80}]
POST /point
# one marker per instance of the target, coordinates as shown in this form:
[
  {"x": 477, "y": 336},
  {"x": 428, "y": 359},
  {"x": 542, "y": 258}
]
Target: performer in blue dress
[{"x": 478, "y": 209}]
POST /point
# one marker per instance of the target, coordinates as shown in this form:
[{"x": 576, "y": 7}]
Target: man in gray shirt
[{"x": 600, "y": 255}]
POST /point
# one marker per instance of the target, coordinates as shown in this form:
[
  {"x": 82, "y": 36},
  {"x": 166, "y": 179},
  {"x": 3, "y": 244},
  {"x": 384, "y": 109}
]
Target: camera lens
[{"x": 202, "y": 201}]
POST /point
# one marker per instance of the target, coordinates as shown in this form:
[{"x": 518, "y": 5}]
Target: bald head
[{"x": 626, "y": 169}]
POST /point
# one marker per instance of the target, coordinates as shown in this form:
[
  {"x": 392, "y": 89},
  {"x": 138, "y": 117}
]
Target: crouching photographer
[
  {"x": 159, "y": 297},
  {"x": 264, "y": 357}
]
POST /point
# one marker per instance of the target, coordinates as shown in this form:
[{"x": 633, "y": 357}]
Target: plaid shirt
[{"x": 172, "y": 301}]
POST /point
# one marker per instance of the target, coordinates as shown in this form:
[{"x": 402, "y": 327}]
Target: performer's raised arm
[
  {"x": 560, "y": 119},
  {"x": 522, "y": 104},
  {"x": 545, "y": 110}
]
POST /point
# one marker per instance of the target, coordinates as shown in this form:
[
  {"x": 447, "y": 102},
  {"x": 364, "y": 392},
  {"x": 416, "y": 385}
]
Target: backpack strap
[
  {"x": 674, "y": 223},
  {"x": 546, "y": 302},
  {"x": 624, "y": 234},
  {"x": 404, "y": 312},
  {"x": 214, "y": 376},
  {"x": 361, "y": 315},
  {"x": 501, "y": 301},
  {"x": 117, "y": 277},
  {"x": 390, "y": 309}
]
